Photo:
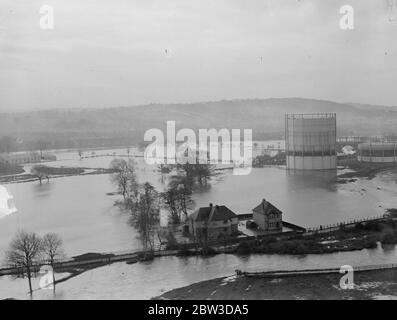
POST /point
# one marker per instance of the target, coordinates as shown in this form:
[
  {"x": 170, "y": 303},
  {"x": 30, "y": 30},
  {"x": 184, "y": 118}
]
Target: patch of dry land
[{"x": 368, "y": 285}]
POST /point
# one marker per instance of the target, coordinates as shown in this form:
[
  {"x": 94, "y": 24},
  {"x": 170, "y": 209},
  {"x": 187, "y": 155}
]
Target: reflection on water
[
  {"x": 42, "y": 190},
  {"x": 325, "y": 179}
]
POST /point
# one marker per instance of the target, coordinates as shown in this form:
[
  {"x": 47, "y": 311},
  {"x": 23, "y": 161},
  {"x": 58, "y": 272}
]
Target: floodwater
[{"x": 80, "y": 210}]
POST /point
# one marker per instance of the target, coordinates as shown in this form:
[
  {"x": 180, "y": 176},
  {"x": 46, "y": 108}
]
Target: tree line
[
  {"x": 144, "y": 202},
  {"x": 28, "y": 250}
]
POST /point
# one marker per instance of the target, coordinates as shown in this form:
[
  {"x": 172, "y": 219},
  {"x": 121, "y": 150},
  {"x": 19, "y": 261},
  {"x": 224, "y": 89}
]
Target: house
[
  {"x": 268, "y": 217},
  {"x": 212, "y": 223}
]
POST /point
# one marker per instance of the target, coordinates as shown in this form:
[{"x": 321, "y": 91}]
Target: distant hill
[{"x": 125, "y": 125}]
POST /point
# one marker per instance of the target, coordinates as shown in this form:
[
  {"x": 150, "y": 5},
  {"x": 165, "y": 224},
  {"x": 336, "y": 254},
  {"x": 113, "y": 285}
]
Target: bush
[
  {"x": 172, "y": 244},
  {"x": 294, "y": 247},
  {"x": 268, "y": 240},
  {"x": 358, "y": 226},
  {"x": 388, "y": 237},
  {"x": 244, "y": 247},
  {"x": 209, "y": 251},
  {"x": 185, "y": 252},
  {"x": 145, "y": 256},
  {"x": 373, "y": 226},
  {"x": 370, "y": 244}
]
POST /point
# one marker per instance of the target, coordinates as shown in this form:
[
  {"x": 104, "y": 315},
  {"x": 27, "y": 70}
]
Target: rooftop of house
[
  {"x": 265, "y": 207},
  {"x": 212, "y": 213}
]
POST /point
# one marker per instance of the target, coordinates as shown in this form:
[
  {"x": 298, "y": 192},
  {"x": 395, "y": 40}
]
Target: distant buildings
[
  {"x": 17, "y": 158},
  {"x": 212, "y": 223},
  {"x": 377, "y": 152},
  {"x": 268, "y": 217}
]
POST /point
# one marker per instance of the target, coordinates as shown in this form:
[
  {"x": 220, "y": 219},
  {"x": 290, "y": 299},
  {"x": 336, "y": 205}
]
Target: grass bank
[
  {"x": 363, "y": 169},
  {"x": 363, "y": 235},
  {"x": 376, "y": 284}
]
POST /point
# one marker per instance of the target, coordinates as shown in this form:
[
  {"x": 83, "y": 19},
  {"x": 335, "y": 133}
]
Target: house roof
[
  {"x": 212, "y": 213},
  {"x": 265, "y": 207}
]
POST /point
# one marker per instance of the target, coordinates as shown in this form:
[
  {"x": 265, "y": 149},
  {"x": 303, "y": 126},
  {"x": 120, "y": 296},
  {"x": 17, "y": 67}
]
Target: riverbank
[
  {"x": 375, "y": 284},
  {"x": 363, "y": 169}
]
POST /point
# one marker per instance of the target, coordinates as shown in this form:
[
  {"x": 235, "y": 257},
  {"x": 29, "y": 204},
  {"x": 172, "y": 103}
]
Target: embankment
[{"x": 374, "y": 284}]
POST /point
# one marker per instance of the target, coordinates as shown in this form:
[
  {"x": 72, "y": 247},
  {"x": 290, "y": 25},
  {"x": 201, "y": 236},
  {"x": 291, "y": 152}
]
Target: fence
[
  {"x": 102, "y": 259},
  {"x": 348, "y": 223},
  {"x": 285, "y": 273}
]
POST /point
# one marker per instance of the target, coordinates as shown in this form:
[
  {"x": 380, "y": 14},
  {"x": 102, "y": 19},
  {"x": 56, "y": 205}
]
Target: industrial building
[
  {"x": 377, "y": 152},
  {"x": 310, "y": 141}
]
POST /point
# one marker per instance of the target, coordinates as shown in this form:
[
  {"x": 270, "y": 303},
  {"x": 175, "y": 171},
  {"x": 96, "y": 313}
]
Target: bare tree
[
  {"x": 195, "y": 173},
  {"x": 40, "y": 173},
  {"x": 80, "y": 153},
  {"x": 145, "y": 214},
  {"x": 52, "y": 251},
  {"x": 169, "y": 200},
  {"x": 204, "y": 173},
  {"x": 185, "y": 200},
  {"x": 123, "y": 176},
  {"x": 23, "y": 253},
  {"x": 177, "y": 199},
  {"x": 43, "y": 145},
  {"x": 184, "y": 192}
]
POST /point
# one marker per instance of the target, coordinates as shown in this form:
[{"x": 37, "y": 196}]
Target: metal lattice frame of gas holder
[{"x": 331, "y": 147}]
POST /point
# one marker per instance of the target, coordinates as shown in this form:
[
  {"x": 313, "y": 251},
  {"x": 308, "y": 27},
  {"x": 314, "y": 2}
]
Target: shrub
[
  {"x": 268, "y": 240},
  {"x": 172, "y": 244},
  {"x": 184, "y": 251},
  {"x": 373, "y": 226},
  {"x": 370, "y": 244},
  {"x": 145, "y": 256},
  {"x": 358, "y": 226},
  {"x": 209, "y": 251},
  {"x": 244, "y": 247},
  {"x": 388, "y": 237}
]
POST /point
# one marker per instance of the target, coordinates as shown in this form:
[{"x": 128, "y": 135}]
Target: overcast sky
[{"x": 105, "y": 53}]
